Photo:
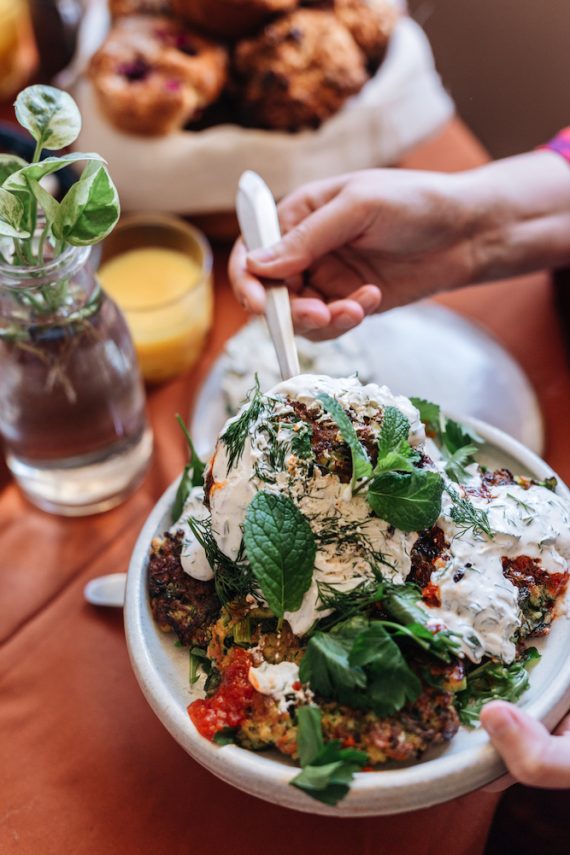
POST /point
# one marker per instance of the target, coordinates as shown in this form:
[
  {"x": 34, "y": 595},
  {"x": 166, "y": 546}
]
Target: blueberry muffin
[
  {"x": 230, "y": 19},
  {"x": 298, "y": 71},
  {"x": 152, "y": 75}
]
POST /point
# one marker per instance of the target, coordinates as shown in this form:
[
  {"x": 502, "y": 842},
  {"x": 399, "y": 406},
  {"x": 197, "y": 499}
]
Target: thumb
[
  {"x": 323, "y": 231},
  {"x": 531, "y": 754}
]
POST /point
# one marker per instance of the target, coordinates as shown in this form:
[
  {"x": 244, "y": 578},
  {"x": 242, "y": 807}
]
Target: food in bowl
[
  {"x": 152, "y": 75},
  {"x": 352, "y": 582}
]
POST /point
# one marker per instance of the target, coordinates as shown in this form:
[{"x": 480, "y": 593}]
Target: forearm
[{"x": 520, "y": 215}]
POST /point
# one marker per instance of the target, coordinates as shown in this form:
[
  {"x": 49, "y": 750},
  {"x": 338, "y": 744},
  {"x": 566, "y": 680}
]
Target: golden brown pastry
[
  {"x": 230, "y": 19},
  {"x": 152, "y": 75},
  {"x": 371, "y": 23},
  {"x": 298, "y": 71},
  {"x": 120, "y": 8}
]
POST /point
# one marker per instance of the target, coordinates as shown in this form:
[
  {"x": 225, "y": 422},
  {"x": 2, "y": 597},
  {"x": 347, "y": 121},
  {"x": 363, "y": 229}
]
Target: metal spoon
[
  {"x": 106, "y": 590},
  {"x": 259, "y": 224}
]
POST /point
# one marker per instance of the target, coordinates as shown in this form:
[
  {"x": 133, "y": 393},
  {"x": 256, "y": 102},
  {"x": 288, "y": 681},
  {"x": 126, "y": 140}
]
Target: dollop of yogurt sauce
[
  {"x": 281, "y": 682},
  {"x": 477, "y": 601}
]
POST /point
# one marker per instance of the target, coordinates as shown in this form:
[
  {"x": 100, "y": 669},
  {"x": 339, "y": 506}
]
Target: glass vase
[{"x": 72, "y": 406}]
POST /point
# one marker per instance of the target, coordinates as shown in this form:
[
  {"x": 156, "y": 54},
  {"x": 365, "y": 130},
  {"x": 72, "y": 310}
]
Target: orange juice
[
  {"x": 167, "y": 300},
  {"x": 15, "y": 45}
]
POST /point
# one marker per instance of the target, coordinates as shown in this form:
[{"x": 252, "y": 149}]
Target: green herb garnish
[
  {"x": 361, "y": 465},
  {"x": 409, "y": 501},
  {"x": 467, "y": 517},
  {"x": 237, "y": 431},
  {"x": 394, "y": 450},
  {"x": 458, "y": 443},
  {"x": 193, "y": 475},
  {"x": 327, "y": 768},
  {"x": 225, "y": 736},
  {"x": 233, "y": 580},
  {"x": 198, "y": 659},
  {"x": 494, "y": 681},
  {"x": 281, "y": 550}
]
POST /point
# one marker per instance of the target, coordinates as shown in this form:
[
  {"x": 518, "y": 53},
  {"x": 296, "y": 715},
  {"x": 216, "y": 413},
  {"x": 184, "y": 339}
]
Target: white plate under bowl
[
  {"x": 466, "y": 763},
  {"x": 423, "y": 349}
]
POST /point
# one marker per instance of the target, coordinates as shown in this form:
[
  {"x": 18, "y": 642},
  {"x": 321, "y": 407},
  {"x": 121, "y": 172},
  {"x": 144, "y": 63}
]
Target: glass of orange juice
[
  {"x": 158, "y": 268},
  {"x": 17, "y": 52}
]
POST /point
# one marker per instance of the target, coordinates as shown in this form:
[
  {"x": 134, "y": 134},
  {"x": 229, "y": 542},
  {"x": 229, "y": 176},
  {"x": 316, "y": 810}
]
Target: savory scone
[
  {"x": 298, "y": 71},
  {"x": 230, "y": 19},
  {"x": 152, "y": 75}
]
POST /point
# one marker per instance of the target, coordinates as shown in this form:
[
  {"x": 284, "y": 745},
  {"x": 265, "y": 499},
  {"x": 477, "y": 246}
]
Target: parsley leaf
[
  {"x": 491, "y": 682},
  {"x": 359, "y": 664},
  {"x": 408, "y": 501},
  {"x": 326, "y": 667},
  {"x": 328, "y": 768},
  {"x": 391, "y": 682},
  {"x": 400, "y": 601},
  {"x": 281, "y": 550},
  {"x": 361, "y": 465},
  {"x": 458, "y": 443},
  {"x": 193, "y": 475}
]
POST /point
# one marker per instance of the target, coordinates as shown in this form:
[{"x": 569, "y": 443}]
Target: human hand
[
  {"x": 532, "y": 755},
  {"x": 351, "y": 243},
  {"x": 384, "y": 237}
]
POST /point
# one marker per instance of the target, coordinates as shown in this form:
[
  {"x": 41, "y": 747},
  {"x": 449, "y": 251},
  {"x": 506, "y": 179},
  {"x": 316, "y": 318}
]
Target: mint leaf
[
  {"x": 327, "y": 669},
  {"x": 281, "y": 550},
  {"x": 361, "y": 465},
  {"x": 491, "y": 682},
  {"x": 410, "y": 501},
  {"x": 395, "y": 430},
  {"x": 403, "y": 459},
  {"x": 193, "y": 475},
  {"x": 328, "y": 768}
]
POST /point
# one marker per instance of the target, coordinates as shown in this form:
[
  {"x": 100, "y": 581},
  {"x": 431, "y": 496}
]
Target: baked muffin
[
  {"x": 298, "y": 71},
  {"x": 120, "y": 8},
  {"x": 371, "y": 23},
  {"x": 152, "y": 75},
  {"x": 230, "y": 19}
]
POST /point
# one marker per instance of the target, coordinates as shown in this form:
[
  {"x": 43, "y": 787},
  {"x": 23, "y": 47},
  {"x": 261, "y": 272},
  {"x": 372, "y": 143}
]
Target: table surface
[{"x": 85, "y": 767}]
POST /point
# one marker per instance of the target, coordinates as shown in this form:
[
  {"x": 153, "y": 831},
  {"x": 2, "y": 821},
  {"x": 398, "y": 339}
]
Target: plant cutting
[{"x": 70, "y": 391}]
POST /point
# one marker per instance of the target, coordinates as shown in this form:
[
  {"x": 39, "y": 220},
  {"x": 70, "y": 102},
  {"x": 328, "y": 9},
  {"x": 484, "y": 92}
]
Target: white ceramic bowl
[{"x": 466, "y": 763}]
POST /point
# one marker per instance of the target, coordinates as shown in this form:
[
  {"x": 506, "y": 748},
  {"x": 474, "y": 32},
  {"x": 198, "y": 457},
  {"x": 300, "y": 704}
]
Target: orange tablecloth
[{"x": 85, "y": 767}]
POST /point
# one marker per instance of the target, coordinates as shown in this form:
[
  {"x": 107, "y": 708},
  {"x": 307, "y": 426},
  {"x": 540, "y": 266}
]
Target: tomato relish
[
  {"x": 430, "y": 594},
  {"x": 229, "y": 704}
]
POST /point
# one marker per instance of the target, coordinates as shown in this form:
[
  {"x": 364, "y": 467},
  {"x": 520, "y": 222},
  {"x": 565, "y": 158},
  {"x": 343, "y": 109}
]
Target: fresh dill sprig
[
  {"x": 346, "y": 604},
  {"x": 233, "y": 580},
  {"x": 236, "y": 433},
  {"x": 333, "y": 530},
  {"x": 467, "y": 517}
]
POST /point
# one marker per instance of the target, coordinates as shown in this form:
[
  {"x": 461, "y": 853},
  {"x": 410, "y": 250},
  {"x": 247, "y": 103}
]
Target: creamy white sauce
[
  {"x": 193, "y": 558},
  {"x": 324, "y": 499},
  {"x": 477, "y": 601},
  {"x": 280, "y": 682}
]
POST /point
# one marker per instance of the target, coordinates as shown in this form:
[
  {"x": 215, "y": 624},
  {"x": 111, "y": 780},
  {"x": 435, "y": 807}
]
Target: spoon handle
[{"x": 259, "y": 224}]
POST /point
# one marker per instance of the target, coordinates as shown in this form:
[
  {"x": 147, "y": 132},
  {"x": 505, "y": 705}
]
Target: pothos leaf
[
  {"x": 281, "y": 550},
  {"x": 11, "y": 213},
  {"x": 36, "y": 171},
  {"x": 9, "y": 164},
  {"x": 361, "y": 465},
  {"x": 90, "y": 209},
  {"x": 50, "y": 115}
]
